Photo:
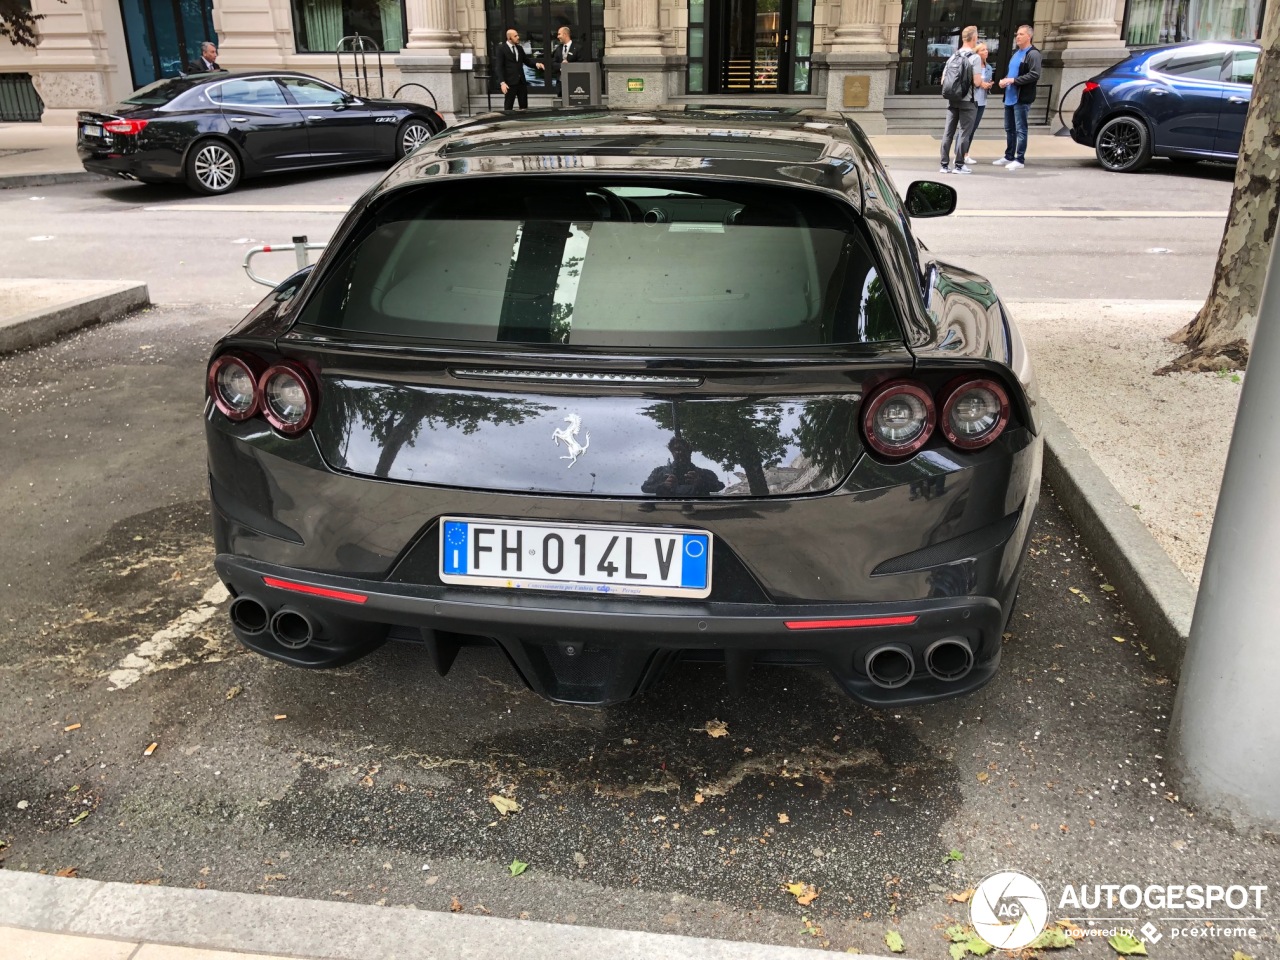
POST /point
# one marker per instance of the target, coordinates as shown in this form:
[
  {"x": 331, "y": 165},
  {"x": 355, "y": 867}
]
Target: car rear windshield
[
  {"x": 624, "y": 263},
  {"x": 159, "y": 93}
]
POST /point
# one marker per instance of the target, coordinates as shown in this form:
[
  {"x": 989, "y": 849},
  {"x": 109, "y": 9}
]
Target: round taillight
[
  {"x": 233, "y": 385},
  {"x": 288, "y": 397},
  {"x": 898, "y": 419},
  {"x": 974, "y": 414}
]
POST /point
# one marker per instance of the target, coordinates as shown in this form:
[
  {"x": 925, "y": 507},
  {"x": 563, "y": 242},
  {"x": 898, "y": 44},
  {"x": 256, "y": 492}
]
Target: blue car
[{"x": 1187, "y": 102}]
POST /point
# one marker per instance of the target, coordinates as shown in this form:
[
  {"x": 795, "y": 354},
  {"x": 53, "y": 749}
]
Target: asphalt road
[{"x": 372, "y": 783}]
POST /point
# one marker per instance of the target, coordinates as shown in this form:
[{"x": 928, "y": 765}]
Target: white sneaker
[
  {"x": 963, "y": 168},
  {"x": 944, "y": 169},
  {"x": 1014, "y": 165},
  {"x": 999, "y": 163},
  {"x": 969, "y": 159}
]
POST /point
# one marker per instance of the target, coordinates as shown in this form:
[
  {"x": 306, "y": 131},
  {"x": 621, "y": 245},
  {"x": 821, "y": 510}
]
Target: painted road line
[
  {"x": 151, "y": 655},
  {"x": 253, "y": 207}
]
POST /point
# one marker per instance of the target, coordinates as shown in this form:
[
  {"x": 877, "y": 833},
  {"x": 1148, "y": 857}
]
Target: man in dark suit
[
  {"x": 207, "y": 62},
  {"x": 565, "y": 51},
  {"x": 512, "y": 59}
]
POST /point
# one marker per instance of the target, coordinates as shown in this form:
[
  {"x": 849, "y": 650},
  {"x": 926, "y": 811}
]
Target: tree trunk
[{"x": 1221, "y": 332}]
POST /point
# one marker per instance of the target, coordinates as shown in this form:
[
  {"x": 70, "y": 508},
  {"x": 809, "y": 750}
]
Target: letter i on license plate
[{"x": 580, "y": 558}]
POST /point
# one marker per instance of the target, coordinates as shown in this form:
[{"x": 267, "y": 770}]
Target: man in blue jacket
[{"x": 1019, "y": 93}]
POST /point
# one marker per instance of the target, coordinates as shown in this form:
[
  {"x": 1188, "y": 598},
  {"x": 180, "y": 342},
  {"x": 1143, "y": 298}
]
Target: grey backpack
[{"x": 957, "y": 77}]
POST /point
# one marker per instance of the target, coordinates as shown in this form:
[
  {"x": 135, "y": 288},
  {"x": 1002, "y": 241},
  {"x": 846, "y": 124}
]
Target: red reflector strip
[
  {"x": 315, "y": 591},
  {"x": 845, "y": 624}
]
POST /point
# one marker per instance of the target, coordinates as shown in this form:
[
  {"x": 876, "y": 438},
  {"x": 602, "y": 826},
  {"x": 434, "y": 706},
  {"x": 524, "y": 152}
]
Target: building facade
[{"x": 848, "y": 55}]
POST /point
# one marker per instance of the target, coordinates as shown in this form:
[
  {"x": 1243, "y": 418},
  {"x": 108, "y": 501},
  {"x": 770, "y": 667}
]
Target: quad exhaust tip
[
  {"x": 949, "y": 659},
  {"x": 249, "y": 616},
  {"x": 291, "y": 628},
  {"x": 890, "y": 666}
]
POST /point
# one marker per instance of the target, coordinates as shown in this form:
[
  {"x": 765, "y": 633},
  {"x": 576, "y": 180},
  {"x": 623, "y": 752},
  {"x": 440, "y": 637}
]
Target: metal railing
[
  {"x": 358, "y": 47},
  {"x": 301, "y": 250}
]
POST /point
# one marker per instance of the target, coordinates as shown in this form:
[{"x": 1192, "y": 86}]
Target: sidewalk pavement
[{"x": 33, "y": 155}]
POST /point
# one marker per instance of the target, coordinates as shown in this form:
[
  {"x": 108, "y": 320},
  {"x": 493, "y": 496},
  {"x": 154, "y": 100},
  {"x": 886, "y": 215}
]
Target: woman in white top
[{"x": 980, "y": 97}]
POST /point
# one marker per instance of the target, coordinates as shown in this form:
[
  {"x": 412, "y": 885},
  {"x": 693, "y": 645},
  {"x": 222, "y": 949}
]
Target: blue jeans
[
  {"x": 1015, "y": 131},
  {"x": 982, "y": 108}
]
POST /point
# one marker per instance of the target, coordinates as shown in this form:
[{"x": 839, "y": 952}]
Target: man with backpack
[{"x": 960, "y": 77}]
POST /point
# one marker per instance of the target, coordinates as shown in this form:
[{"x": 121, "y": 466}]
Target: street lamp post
[{"x": 1225, "y": 733}]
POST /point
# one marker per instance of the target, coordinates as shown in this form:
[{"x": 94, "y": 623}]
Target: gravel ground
[{"x": 1161, "y": 441}]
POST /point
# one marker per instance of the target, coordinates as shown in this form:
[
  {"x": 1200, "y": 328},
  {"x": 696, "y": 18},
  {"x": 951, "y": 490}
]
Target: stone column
[
  {"x": 254, "y": 35},
  {"x": 858, "y": 64},
  {"x": 640, "y": 72},
  {"x": 431, "y": 57},
  {"x": 1086, "y": 42}
]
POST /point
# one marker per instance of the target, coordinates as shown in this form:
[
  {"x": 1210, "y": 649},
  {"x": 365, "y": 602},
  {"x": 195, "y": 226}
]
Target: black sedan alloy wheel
[
  {"x": 1124, "y": 145},
  {"x": 213, "y": 167},
  {"x": 412, "y": 135}
]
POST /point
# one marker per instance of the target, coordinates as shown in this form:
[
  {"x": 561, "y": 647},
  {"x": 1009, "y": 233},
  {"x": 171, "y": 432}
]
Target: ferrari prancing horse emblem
[{"x": 569, "y": 437}]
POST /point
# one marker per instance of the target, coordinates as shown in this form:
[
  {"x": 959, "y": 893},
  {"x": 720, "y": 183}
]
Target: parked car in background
[
  {"x": 1187, "y": 102},
  {"x": 212, "y": 130},
  {"x": 609, "y": 390}
]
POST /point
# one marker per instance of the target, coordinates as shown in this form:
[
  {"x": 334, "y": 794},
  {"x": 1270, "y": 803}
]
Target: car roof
[
  {"x": 1147, "y": 52},
  {"x": 782, "y": 144}
]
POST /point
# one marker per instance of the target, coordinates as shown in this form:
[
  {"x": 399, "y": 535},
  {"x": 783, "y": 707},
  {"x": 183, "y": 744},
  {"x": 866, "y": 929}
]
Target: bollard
[
  {"x": 300, "y": 250},
  {"x": 1225, "y": 731}
]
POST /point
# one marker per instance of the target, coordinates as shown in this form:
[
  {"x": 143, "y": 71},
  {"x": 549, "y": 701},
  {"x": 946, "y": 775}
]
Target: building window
[
  {"x": 320, "y": 25},
  {"x": 1150, "y": 22}
]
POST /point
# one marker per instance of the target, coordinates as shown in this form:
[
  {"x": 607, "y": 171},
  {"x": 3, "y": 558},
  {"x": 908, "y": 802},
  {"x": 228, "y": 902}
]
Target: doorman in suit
[
  {"x": 565, "y": 51},
  {"x": 512, "y": 59}
]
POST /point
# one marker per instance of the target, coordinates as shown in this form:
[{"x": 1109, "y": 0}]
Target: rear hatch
[{"x": 608, "y": 337}]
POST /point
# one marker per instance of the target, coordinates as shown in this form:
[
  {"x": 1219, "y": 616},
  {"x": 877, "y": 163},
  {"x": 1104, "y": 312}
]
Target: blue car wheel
[{"x": 1124, "y": 144}]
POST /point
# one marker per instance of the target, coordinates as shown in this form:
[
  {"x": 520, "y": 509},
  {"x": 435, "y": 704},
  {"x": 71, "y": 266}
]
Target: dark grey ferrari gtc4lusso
[{"x": 613, "y": 390}]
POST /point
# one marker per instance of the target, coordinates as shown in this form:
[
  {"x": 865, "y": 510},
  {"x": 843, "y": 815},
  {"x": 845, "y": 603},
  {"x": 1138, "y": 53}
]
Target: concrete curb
[
  {"x": 1157, "y": 595},
  {"x": 41, "y": 326},
  {"x": 249, "y": 923},
  {"x": 10, "y": 181}
]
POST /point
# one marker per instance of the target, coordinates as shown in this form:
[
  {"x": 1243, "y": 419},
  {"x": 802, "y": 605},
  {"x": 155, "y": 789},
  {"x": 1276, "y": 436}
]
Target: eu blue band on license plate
[{"x": 583, "y": 558}]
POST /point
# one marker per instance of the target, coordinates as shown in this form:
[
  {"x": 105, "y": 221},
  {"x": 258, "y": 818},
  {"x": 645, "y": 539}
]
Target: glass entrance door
[
  {"x": 930, "y": 33},
  {"x": 750, "y": 46},
  {"x": 538, "y": 21},
  {"x": 163, "y": 36}
]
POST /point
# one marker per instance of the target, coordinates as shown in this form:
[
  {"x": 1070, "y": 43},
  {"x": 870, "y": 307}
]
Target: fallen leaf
[
  {"x": 150, "y": 750},
  {"x": 79, "y": 816},
  {"x": 1108, "y": 588},
  {"x": 518, "y": 867},
  {"x": 717, "y": 728},
  {"x": 964, "y": 896},
  {"x": 1118, "y": 639},
  {"x": 273, "y": 877},
  {"x": 455, "y": 905},
  {"x": 805, "y": 893},
  {"x": 893, "y": 940},
  {"x": 698, "y": 798},
  {"x": 978, "y": 947},
  {"x": 505, "y": 805},
  {"x": 1052, "y": 939},
  {"x": 235, "y": 692},
  {"x": 984, "y": 777},
  {"x": 67, "y": 872},
  {"x": 709, "y": 833},
  {"x": 1127, "y": 945},
  {"x": 783, "y": 818},
  {"x": 282, "y": 716},
  {"x": 959, "y": 934},
  {"x": 1240, "y": 956},
  {"x": 957, "y": 951},
  {"x": 954, "y": 855}
]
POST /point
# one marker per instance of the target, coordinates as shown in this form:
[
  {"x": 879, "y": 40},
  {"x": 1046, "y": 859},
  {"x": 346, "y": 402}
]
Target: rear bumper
[
  {"x": 593, "y": 650},
  {"x": 126, "y": 166}
]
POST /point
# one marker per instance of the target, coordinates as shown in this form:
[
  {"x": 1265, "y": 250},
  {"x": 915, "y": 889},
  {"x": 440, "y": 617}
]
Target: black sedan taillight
[
  {"x": 974, "y": 413},
  {"x": 284, "y": 394},
  {"x": 898, "y": 418}
]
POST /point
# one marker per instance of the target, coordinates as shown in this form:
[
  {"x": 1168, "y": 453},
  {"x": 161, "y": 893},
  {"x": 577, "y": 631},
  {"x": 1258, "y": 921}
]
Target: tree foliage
[
  {"x": 18, "y": 23},
  {"x": 1221, "y": 332}
]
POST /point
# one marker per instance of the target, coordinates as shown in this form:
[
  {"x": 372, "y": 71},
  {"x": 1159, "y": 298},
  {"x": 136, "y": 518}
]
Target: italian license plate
[
  {"x": 91, "y": 131},
  {"x": 581, "y": 558}
]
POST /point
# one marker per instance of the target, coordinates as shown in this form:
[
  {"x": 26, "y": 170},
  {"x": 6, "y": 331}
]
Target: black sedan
[
  {"x": 214, "y": 129},
  {"x": 611, "y": 390},
  {"x": 1187, "y": 102}
]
